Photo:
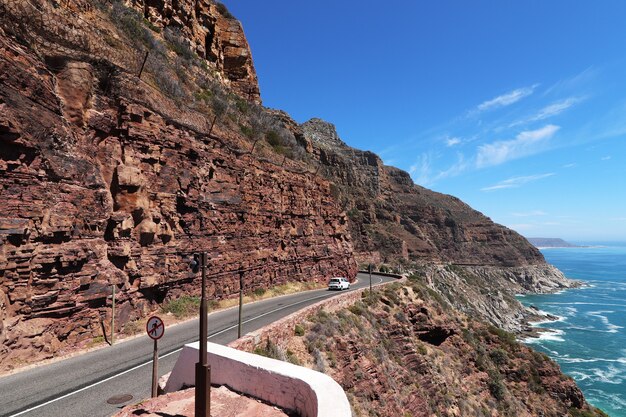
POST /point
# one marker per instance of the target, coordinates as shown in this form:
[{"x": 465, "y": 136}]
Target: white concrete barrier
[{"x": 309, "y": 393}]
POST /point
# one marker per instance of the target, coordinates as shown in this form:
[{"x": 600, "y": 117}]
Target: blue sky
[{"x": 518, "y": 108}]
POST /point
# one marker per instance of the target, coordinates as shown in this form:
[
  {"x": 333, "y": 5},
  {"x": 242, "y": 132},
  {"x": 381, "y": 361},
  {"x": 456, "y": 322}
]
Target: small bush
[
  {"x": 203, "y": 95},
  {"x": 496, "y": 387},
  {"x": 357, "y": 308},
  {"x": 298, "y": 330},
  {"x": 132, "y": 23},
  {"x": 221, "y": 7},
  {"x": 259, "y": 292},
  {"x": 499, "y": 356},
  {"x": 184, "y": 306},
  {"x": 177, "y": 43},
  {"x": 272, "y": 138},
  {"x": 246, "y": 130}
]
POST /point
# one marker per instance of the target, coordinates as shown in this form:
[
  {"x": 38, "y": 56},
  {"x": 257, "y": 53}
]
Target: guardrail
[
  {"x": 385, "y": 274},
  {"x": 307, "y": 392}
]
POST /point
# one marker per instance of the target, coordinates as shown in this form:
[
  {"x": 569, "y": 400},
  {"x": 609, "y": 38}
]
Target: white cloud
[
  {"x": 421, "y": 169},
  {"x": 530, "y": 213},
  {"x": 550, "y": 110},
  {"x": 452, "y": 141},
  {"x": 525, "y": 143},
  {"x": 506, "y": 99},
  {"x": 570, "y": 165},
  {"x": 606, "y": 158},
  {"x": 557, "y": 108},
  {"x": 516, "y": 182}
]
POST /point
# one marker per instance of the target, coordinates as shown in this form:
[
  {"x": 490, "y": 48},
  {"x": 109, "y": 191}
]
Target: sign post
[
  {"x": 240, "y": 302},
  {"x": 369, "y": 268},
  {"x": 155, "y": 329}
]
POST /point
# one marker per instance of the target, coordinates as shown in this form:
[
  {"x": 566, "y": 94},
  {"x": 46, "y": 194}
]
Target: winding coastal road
[{"x": 80, "y": 386}]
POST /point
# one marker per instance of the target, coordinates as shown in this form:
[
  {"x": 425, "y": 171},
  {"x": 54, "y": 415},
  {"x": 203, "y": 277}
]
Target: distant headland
[{"x": 550, "y": 242}]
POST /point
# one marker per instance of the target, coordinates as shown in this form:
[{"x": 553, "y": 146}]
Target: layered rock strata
[
  {"x": 100, "y": 189},
  {"x": 391, "y": 215}
]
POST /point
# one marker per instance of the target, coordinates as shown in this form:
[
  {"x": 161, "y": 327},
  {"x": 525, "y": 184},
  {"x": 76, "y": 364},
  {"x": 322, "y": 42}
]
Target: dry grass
[{"x": 283, "y": 289}]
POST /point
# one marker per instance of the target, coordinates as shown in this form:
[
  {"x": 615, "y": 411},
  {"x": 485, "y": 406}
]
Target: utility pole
[
  {"x": 203, "y": 370},
  {"x": 240, "y": 302},
  {"x": 369, "y": 267}
]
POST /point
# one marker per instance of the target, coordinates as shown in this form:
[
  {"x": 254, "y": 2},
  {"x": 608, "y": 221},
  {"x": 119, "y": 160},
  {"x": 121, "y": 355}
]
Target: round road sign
[{"x": 155, "y": 328}]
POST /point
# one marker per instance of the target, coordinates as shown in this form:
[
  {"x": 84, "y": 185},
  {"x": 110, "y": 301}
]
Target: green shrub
[
  {"x": 221, "y": 7},
  {"x": 273, "y": 138},
  {"x": 357, "y": 308},
  {"x": 259, "y": 292},
  {"x": 499, "y": 356},
  {"x": 496, "y": 387},
  {"x": 246, "y": 130},
  {"x": 184, "y": 306},
  {"x": 177, "y": 43},
  {"x": 203, "y": 95},
  {"x": 298, "y": 330}
]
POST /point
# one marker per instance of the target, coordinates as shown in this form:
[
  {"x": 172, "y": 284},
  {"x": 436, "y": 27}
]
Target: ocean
[{"x": 589, "y": 339}]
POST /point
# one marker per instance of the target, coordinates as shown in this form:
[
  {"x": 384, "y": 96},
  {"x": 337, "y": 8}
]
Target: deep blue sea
[{"x": 589, "y": 340}]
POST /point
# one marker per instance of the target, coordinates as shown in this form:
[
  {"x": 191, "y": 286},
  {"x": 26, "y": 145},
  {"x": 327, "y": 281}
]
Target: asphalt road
[{"x": 80, "y": 386}]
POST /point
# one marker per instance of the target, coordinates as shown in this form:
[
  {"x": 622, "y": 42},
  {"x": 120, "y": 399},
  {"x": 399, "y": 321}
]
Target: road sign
[{"x": 155, "y": 328}]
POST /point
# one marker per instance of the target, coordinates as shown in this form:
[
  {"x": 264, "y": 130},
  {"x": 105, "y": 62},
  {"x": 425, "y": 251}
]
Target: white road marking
[{"x": 163, "y": 356}]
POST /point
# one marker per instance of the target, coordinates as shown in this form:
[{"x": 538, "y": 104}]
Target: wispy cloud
[
  {"x": 506, "y": 99},
  {"x": 550, "y": 110},
  {"x": 532, "y": 213},
  {"x": 605, "y": 158},
  {"x": 420, "y": 171},
  {"x": 516, "y": 182},
  {"x": 525, "y": 143},
  {"x": 452, "y": 141},
  {"x": 570, "y": 165}
]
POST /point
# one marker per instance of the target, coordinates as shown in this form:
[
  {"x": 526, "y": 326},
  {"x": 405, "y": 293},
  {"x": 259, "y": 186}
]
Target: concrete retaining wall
[{"x": 309, "y": 393}]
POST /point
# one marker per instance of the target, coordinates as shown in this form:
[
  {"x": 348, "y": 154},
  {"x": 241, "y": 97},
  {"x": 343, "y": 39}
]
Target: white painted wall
[{"x": 310, "y": 393}]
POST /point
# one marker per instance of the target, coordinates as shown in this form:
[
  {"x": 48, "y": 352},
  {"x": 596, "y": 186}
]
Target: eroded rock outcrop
[{"x": 213, "y": 33}]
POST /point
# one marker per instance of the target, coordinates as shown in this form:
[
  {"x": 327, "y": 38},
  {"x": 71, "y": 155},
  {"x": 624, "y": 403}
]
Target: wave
[
  {"x": 547, "y": 320},
  {"x": 611, "y": 328},
  {"x": 591, "y": 360},
  {"x": 553, "y": 335},
  {"x": 586, "y": 304}
]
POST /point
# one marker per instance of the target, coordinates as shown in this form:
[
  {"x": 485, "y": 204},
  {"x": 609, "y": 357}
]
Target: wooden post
[
  {"x": 145, "y": 58},
  {"x": 212, "y": 124},
  {"x": 113, "y": 315},
  {"x": 253, "y": 146}
]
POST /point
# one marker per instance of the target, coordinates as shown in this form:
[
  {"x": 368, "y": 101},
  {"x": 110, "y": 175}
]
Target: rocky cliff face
[
  {"x": 396, "y": 219},
  {"x": 101, "y": 186},
  {"x": 475, "y": 264},
  {"x": 213, "y": 34}
]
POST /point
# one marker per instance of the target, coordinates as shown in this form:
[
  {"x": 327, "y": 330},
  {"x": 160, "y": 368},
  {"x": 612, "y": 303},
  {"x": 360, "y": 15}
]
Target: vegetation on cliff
[{"x": 404, "y": 352}]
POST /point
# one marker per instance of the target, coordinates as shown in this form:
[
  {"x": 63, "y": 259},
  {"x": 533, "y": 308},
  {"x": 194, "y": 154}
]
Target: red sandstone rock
[{"x": 102, "y": 190}]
